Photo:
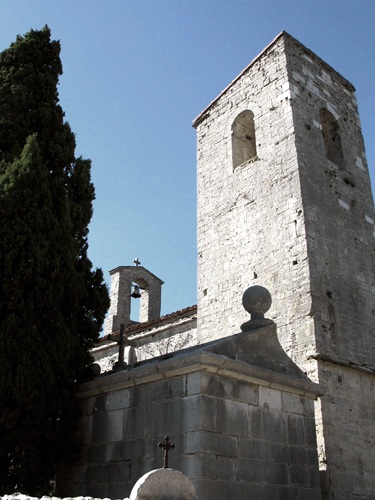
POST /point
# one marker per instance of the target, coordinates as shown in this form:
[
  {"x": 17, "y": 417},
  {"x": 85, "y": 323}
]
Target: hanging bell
[{"x": 136, "y": 293}]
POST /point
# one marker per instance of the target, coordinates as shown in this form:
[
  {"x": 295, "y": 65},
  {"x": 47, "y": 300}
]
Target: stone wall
[
  {"x": 298, "y": 218},
  {"x": 339, "y": 221},
  {"x": 240, "y": 413},
  {"x": 250, "y": 220},
  {"x": 338, "y": 210},
  {"x": 288, "y": 218},
  {"x": 348, "y": 460},
  {"x": 172, "y": 333}
]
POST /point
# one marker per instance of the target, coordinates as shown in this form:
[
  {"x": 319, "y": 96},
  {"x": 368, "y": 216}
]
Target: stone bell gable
[{"x": 127, "y": 281}]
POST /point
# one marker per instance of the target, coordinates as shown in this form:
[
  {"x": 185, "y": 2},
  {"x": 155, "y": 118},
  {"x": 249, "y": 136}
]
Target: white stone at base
[{"x": 163, "y": 484}]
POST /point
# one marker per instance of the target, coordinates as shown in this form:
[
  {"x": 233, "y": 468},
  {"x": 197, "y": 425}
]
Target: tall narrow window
[
  {"x": 243, "y": 138},
  {"x": 332, "y": 138}
]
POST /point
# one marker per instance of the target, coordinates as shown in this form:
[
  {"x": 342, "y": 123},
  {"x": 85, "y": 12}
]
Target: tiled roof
[{"x": 137, "y": 327}]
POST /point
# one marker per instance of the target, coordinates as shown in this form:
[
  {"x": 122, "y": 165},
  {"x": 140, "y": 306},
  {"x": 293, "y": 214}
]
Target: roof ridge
[{"x": 138, "y": 326}]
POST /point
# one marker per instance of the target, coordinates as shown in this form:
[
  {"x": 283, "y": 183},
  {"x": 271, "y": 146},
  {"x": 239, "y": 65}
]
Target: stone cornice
[{"x": 202, "y": 359}]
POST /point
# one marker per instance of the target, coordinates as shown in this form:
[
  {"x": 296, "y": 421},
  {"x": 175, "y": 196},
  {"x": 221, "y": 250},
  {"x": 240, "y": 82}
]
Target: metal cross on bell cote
[
  {"x": 136, "y": 293},
  {"x": 167, "y": 447}
]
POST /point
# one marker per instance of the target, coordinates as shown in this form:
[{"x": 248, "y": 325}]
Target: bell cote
[{"x": 130, "y": 283}]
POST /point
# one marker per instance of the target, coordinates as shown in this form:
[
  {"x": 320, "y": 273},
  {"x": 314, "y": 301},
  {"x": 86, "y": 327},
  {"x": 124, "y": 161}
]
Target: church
[{"x": 281, "y": 403}]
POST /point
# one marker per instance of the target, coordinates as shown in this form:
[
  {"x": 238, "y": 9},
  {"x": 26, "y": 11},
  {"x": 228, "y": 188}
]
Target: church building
[{"x": 283, "y": 405}]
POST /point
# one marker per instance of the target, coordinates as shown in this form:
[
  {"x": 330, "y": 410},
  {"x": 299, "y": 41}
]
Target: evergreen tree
[{"x": 52, "y": 303}]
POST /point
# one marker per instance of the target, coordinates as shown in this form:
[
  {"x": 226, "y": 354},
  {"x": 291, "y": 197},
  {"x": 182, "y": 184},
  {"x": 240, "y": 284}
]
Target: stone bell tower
[
  {"x": 284, "y": 201},
  {"x": 129, "y": 282}
]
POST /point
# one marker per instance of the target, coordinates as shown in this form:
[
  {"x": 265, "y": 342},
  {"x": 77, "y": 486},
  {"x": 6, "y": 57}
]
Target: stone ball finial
[{"x": 256, "y": 300}]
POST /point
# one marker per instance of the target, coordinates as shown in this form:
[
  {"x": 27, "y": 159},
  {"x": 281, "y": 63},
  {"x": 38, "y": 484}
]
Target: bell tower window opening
[
  {"x": 243, "y": 138},
  {"x": 332, "y": 138}
]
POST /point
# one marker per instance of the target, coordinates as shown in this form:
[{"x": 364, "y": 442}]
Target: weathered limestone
[
  {"x": 239, "y": 411},
  {"x": 163, "y": 484},
  {"x": 122, "y": 279},
  {"x": 284, "y": 199},
  {"x": 297, "y": 216}
]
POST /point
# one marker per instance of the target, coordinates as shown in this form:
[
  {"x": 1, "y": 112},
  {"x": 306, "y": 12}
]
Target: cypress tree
[{"x": 52, "y": 301}]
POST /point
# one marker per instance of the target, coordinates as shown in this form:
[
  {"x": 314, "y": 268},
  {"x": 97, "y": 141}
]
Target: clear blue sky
[{"x": 137, "y": 72}]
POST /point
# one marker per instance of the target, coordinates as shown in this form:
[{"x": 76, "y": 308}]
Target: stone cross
[
  {"x": 122, "y": 341},
  {"x": 137, "y": 262},
  {"x": 167, "y": 447}
]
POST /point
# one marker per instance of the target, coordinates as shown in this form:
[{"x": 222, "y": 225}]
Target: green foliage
[{"x": 52, "y": 303}]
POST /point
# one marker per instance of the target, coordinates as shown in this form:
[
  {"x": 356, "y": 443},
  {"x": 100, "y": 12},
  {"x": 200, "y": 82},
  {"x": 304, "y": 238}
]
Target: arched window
[
  {"x": 243, "y": 138},
  {"x": 331, "y": 136}
]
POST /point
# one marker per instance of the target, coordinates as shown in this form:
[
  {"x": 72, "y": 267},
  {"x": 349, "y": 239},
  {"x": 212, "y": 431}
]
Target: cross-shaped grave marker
[
  {"x": 122, "y": 342},
  {"x": 167, "y": 447}
]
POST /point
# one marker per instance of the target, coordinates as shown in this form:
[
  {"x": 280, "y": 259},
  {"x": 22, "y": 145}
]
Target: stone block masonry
[
  {"x": 297, "y": 217},
  {"x": 284, "y": 200},
  {"x": 148, "y": 284},
  {"x": 237, "y": 427}
]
